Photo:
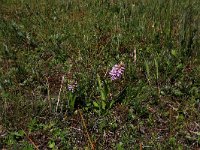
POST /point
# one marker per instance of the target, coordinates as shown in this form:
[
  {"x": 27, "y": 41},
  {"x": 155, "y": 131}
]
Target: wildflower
[
  {"x": 117, "y": 71},
  {"x": 71, "y": 87}
]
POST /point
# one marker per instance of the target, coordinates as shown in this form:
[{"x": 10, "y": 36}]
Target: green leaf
[
  {"x": 156, "y": 65},
  {"x": 101, "y": 88},
  {"x": 72, "y": 99},
  {"x": 95, "y": 104},
  {"x": 197, "y": 133},
  {"x": 120, "y": 146},
  {"x": 103, "y": 105},
  {"x": 51, "y": 144},
  {"x": 177, "y": 92},
  {"x": 106, "y": 88},
  {"x": 174, "y": 53},
  {"x": 111, "y": 103},
  {"x": 20, "y": 133}
]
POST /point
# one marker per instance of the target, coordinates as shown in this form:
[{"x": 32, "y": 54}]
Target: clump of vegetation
[{"x": 100, "y": 74}]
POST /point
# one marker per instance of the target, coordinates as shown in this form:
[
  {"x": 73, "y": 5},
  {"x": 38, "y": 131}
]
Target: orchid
[
  {"x": 71, "y": 87},
  {"x": 117, "y": 71}
]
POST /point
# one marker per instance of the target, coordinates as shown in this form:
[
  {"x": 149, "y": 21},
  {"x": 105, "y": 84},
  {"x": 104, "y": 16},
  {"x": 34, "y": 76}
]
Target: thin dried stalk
[
  {"x": 84, "y": 125},
  {"x": 31, "y": 141},
  {"x": 134, "y": 56},
  {"x": 61, "y": 85}
]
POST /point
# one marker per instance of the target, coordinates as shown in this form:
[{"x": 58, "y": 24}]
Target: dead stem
[
  {"x": 31, "y": 141},
  {"x": 61, "y": 85},
  {"x": 84, "y": 125}
]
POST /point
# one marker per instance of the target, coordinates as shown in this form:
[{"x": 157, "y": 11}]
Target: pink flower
[
  {"x": 117, "y": 71},
  {"x": 71, "y": 87}
]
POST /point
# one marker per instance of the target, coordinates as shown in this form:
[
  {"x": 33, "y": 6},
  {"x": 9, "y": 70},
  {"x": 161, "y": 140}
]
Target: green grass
[{"x": 155, "y": 105}]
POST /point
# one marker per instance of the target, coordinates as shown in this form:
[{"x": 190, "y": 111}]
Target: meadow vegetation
[{"x": 58, "y": 83}]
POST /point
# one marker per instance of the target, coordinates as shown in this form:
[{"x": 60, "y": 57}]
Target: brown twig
[
  {"x": 84, "y": 125},
  {"x": 140, "y": 146},
  {"x": 31, "y": 141}
]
